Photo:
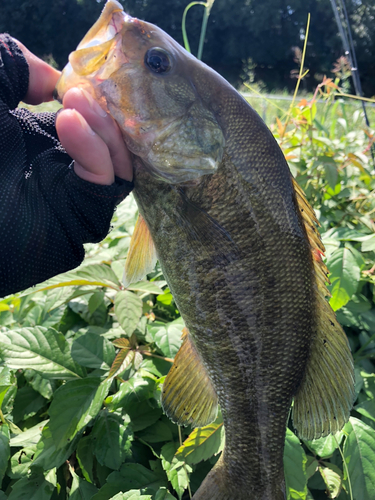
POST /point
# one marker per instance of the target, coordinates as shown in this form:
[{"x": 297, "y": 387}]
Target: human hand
[{"x": 88, "y": 134}]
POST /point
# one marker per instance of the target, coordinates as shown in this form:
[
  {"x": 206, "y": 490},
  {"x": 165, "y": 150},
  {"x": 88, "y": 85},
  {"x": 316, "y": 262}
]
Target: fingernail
[
  {"x": 93, "y": 104},
  {"x": 84, "y": 123}
]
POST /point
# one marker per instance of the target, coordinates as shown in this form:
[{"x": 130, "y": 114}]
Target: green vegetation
[{"x": 83, "y": 359}]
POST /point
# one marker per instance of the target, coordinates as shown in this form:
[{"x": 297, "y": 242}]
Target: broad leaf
[
  {"x": 81, "y": 489},
  {"x": 27, "y": 403},
  {"x": 112, "y": 438},
  {"x": 131, "y": 391},
  {"x": 93, "y": 351},
  {"x": 41, "y": 349},
  {"x": 332, "y": 478},
  {"x": 359, "y": 453},
  {"x": 47, "y": 454},
  {"x": 203, "y": 443},
  {"x": 85, "y": 398},
  {"x": 163, "y": 494},
  {"x": 131, "y": 495},
  {"x": 32, "y": 488},
  {"x": 325, "y": 447},
  {"x": 345, "y": 275},
  {"x": 295, "y": 467},
  {"x": 145, "y": 286},
  {"x": 167, "y": 338},
  {"x": 4, "y": 450},
  {"x": 85, "y": 457},
  {"x": 177, "y": 471},
  {"x": 128, "y": 309},
  {"x": 29, "y": 437}
]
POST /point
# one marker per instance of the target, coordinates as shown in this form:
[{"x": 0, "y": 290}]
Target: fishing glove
[{"x": 47, "y": 212}]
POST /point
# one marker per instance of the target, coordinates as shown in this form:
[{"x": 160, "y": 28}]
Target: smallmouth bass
[{"x": 238, "y": 246}]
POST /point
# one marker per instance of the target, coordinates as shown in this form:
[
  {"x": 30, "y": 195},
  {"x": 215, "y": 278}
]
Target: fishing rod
[{"x": 340, "y": 13}]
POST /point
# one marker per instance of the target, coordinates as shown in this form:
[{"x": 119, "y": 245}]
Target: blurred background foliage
[{"x": 246, "y": 39}]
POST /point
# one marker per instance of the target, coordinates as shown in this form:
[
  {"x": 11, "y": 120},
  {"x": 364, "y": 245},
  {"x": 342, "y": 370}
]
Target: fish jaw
[{"x": 160, "y": 114}]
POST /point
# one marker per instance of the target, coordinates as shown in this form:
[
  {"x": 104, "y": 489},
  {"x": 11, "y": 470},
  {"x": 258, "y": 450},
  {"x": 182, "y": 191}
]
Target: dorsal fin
[
  {"x": 323, "y": 402},
  {"x": 141, "y": 257},
  {"x": 188, "y": 396}
]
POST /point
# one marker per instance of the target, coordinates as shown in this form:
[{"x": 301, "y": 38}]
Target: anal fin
[
  {"x": 141, "y": 257},
  {"x": 188, "y": 396}
]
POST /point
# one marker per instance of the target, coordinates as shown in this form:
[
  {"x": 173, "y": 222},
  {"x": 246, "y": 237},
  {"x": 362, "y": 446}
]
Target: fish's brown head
[{"x": 154, "y": 89}]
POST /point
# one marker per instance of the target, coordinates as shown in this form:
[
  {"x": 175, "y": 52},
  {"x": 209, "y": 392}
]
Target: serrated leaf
[
  {"x": 85, "y": 398},
  {"x": 202, "y": 443},
  {"x": 121, "y": 362},
  {"x": 128, "y": 309},
  {"x": 332, "y": 479},
  {"x": 167, "y": 338},
  {"x": 81, "y": 489},
  {"x": 44, "y": 350},
  {"x": 359, "y": 453},
  {"x": 4, "y": 450},
  {"x": 93, "y": 351},
  {"x": 345, "y": 276},
  {"x": 121, "y": 343},
  {"x": 32, "y": 488},
  {"x": 112, "y": 438},
  {"x": 177, "y": 471},
  {"x": 295, "y": 467},
  {"x": 100, "y": 272},
  {"x": 131, "y": 391}
]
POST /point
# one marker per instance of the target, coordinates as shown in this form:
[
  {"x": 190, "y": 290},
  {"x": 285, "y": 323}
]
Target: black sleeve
[{"x": 46, "y": 211}]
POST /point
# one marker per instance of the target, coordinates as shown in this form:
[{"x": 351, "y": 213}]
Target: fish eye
[{"x": 158, "y": 60}]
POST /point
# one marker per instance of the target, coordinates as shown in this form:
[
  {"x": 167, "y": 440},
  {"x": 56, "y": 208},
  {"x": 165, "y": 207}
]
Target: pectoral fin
[
  {"x": 188, "y": 396},
  {"x": 142, "y": 257}
]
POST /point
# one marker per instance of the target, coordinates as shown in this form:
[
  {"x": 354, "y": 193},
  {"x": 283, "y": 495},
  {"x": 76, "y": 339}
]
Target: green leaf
[
  {"x": 47, "y": 454},
  {"x": 345, "y": 276},
  {"x": 156, "y": 433},
  {"x": 202, "y": 443},
  {"x": 81, "y": 489},
  {"x": 131, "y": 391},
  {"x": 367, "y": 409},
  {"x": 4, "y": 450},
  {"x": 20, "y": 463},
  {"x": 177, "y": 471},
  {"x": 32, "y": 488},
  {"x": 85, "y": 457},
  {"x": 100, "y": 272},
  {"x": 325, "y": 447},
  {"x": 29, "y": 437},
  {"x": 93, "y": 351},
  {"x": 128, "y": 309},
  {"x": 131, "y": 495},
  {"x": 332, "y": 478},
  {"x": 295, "y": 467},
  {"x": 359, "y": 453},
  {"x": 330, "y": 169},
  {"x": 27, "y": 403},
  {"x": 85, "y": 399},
  {"x": 40, "y": 384},
  {"x": 163, "y": 494},
  {"x": 131, "y": 476},
  {"x": 145, "y": 286},
  {"x": 167, "y": 338},
  {"x": 112, "y": 438},
  {"x": 41, "y": 349},
  {"x": 143, "y": 415}
]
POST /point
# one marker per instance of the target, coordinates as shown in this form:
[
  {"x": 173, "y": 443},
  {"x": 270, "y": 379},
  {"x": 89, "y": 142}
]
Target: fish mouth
[{"x": 99, "y": 54}]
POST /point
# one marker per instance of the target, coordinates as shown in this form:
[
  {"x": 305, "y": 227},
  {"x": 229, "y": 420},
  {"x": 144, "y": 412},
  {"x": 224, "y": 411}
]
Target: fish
[{"x": 239, "y": 248}]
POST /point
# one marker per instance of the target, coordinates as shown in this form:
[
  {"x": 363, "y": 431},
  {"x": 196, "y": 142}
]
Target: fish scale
[{"x": 238, "y": 246}]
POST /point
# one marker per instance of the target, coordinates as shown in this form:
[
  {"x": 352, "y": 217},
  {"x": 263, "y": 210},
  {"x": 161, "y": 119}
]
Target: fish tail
[{"x": 218, "y": 485}]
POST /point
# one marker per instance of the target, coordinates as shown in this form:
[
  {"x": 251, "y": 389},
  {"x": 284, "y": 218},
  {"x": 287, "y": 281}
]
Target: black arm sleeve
[{"x": 46, "y": 211}]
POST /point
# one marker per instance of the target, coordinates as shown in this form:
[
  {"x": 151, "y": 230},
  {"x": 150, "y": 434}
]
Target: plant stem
[
  {"x": 203, "y": 31},
  {"x": 170, "y": 360},
  {"x": 2, "y": 417},
  {"x": 345, "y": 466},
  {"x": 183, "y": 26}
]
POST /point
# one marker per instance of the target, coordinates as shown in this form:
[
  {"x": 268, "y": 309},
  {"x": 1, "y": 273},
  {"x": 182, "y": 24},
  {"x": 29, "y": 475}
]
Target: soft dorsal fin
[
  {"x": 188, "y": 396},
  {"x": 142, "y": 257},
  {"x": 323, "y": 402}
]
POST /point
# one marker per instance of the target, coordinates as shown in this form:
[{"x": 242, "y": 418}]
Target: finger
[
  {"x": 104, "y": 125},
  {"x": 92, "y": 159},
  {"x": 42, "y": 79}
]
